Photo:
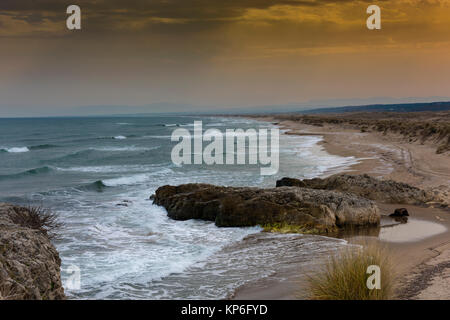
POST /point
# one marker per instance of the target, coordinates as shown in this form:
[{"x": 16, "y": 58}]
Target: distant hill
[{"x": 407, "y": 107}]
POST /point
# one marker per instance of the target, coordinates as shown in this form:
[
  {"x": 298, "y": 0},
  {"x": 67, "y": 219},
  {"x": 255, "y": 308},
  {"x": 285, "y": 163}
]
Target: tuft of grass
[
  {"x": 344, "y": 276},
  {"x": 37, "y": 218}
]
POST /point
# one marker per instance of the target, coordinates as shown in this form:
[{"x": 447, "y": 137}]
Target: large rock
[
  {"x": 320, "y": 210},
  {"x": 387, "y": 191},
  {"x": 29, "y": 263}
]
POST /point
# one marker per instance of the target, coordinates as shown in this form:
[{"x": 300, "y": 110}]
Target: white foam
[
  {"x": 135, "y": 179},
  {"x": 119, "y": 137},
  {"x": 16, "y": 149},
  {"x": 316, "y": 160},
  {"x": 126, "y": 181}
]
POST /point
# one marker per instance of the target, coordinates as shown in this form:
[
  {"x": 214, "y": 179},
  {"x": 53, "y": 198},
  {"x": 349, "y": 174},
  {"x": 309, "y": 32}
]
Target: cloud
[
  {"x": 132, "y": 15},
  {"x": 225, "y": 52}
]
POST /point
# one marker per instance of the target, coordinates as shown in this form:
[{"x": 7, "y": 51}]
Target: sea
[{"x": 98, "y": 173}]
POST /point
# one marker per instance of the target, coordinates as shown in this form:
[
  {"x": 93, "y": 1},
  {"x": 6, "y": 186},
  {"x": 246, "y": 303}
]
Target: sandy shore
[{"x": 420, "y": 248}]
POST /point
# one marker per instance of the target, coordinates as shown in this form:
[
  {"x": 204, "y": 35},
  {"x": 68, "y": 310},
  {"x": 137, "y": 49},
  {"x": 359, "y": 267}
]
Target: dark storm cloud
[{"x": 104, "y": 14}]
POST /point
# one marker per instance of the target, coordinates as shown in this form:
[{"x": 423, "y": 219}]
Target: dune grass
[{"x": 344, "y": 276}]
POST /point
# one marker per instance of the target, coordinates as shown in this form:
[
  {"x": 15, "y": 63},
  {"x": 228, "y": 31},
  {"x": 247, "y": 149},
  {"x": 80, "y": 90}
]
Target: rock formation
[
  {"x": 29, "y": 263},
  {"x": 319, "y": 210},
  {"x": 387, "y": 191}
]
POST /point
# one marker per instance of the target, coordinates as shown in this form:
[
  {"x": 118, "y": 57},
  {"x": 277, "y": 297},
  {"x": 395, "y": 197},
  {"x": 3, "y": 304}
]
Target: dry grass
[
  {"x": 37, "y": 218},
  {"x": 344, "y": 276}
]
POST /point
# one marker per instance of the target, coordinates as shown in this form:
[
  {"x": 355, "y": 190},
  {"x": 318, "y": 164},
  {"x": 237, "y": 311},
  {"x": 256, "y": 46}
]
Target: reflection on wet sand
[
  {"x": 413, "y": 230},
  {"x": 393, "y": 229}
]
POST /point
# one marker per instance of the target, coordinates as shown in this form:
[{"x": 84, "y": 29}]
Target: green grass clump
[{"x": 344, "y": 276}]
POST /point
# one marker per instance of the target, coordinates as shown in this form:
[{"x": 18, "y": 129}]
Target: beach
[{"x": 421, "y": 260}]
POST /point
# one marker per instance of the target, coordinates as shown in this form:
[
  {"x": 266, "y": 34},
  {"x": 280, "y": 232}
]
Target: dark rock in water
[
  {"x": 122, "y": 205},
  {"x": 319, "y": 210},
  {"x": 29, "y": 263},
  {"x": 402, "y": 212},
  {"x": 387, "y": 191},
  {"x": 290, "y": 182}
]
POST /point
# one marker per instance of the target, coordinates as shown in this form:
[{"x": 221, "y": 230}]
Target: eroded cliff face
[
  {"x": 29, "y": 263},
  {"x": 321, "y": 210}
]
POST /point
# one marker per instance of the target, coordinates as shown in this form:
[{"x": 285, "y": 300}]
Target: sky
[{"x": 189, "y": 55}]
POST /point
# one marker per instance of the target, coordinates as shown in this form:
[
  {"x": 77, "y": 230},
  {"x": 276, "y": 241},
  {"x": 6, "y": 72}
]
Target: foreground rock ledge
[
  {"x": 320, "y": 210},
  {"x": 29, "y": 263}
]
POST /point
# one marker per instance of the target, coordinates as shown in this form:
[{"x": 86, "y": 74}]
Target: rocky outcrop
[
  {"x": 29, "y": 263},
  {"x": 387, "y": 191},
  {"x": 320, "y": 210}
]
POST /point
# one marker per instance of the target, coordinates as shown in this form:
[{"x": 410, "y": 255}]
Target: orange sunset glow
[{"x": 214, "y": 54}]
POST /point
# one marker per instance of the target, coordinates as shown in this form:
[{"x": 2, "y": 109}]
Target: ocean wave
[
  {"x": 126, "y": 181},
  {"x": 135, "y": 179},
  {"x": 121, "y": 149},
  {"x": 107, "y": 169},
  {"x": 97, "y": 186},
  {"x": 74, "y": 155},
  {"x": 15, "y": 149},
  {"x": 43, "y": 146},
  {"x": 101, "y": 185},
  {"x": 30, "y": 172},
  {"x": 118, "y": 137},
  {"x": 158, "y": 136}
]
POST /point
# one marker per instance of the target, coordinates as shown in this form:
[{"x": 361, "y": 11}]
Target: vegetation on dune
[
  {"x": 344, "y": 276},
  {"x": 415, "y": 126}
]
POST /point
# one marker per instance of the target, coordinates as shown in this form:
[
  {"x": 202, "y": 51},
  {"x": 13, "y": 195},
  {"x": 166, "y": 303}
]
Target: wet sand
[{"x": 421, "y": 248}]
